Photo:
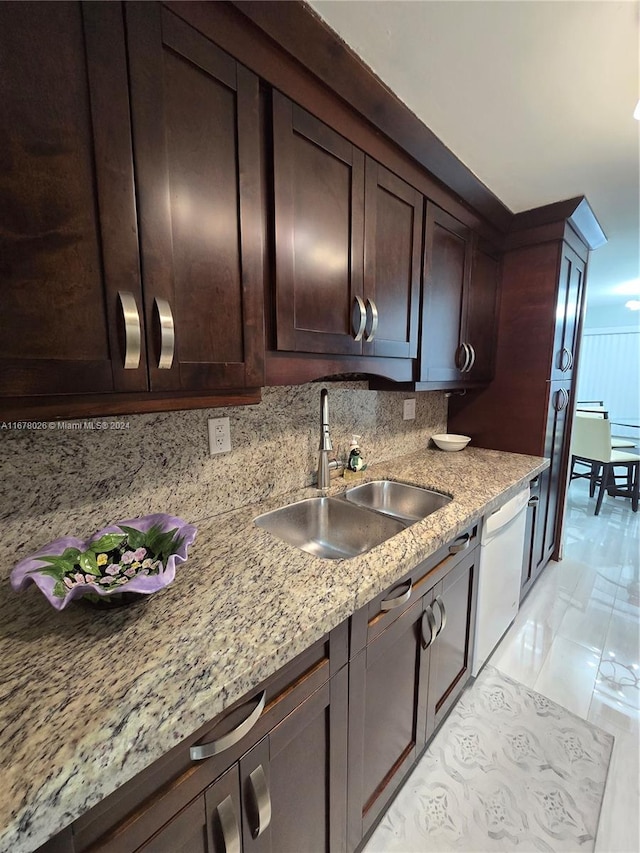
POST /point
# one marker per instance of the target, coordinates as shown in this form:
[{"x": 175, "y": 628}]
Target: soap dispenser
[{"x": 355, "y": 461}]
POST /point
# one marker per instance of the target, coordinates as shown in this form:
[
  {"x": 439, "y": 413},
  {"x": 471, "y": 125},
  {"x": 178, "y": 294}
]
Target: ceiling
[{"x": 536, "y": 97}]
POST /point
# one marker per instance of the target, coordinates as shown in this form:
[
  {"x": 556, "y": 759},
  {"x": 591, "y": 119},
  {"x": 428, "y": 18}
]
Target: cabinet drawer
[
  {"x": 369, "y": 622},
  {"x": 175, "y": 779}
]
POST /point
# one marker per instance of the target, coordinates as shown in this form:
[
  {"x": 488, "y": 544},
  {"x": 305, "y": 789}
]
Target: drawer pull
[
  {"x": 460, "y": 544},
  {"x": 430, "y": 619},
  {"x": 534, "y": 501},
  {"x": 229, "y": 826},
  {"x": 443, "y": 615},
  {"x": 206, "y": 750},
  {"x": 262, "y": 800},
  {"x": 565, "y": 363},
  {"x": 132, "y": 336},
  {"x": 167, "y": 334},
  {"x": 398, "y": 601},
  {"x": 463, "y": 350}
]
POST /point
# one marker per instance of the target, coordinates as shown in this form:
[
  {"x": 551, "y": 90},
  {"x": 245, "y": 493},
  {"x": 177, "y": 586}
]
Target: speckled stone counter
[{"x": 89, "y": 698}]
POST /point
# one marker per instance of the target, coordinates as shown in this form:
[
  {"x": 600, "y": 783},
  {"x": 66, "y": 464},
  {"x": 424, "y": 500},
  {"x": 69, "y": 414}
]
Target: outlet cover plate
[
  {"x": 409, "y": 410},
  {"x": 219, "y": 436}
]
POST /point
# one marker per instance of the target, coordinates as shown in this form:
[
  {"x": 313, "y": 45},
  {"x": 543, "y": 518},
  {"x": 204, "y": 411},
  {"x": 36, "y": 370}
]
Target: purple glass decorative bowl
[{"x": 134, "y": 556}]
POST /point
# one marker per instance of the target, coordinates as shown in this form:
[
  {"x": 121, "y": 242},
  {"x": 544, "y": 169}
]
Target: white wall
[{"x": 610, "y": 371}]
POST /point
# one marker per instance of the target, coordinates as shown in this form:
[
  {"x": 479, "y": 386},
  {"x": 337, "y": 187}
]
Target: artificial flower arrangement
[{"x": 134, "y": 556}]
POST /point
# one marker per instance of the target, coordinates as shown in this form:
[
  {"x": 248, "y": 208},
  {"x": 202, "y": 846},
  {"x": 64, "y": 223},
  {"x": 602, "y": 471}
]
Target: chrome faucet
[{"x": 324, "y": 477}]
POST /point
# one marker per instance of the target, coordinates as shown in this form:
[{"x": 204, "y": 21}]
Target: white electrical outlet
[
  {"x": 219, "y": 435},
  {"x": 409, "y": 410}
]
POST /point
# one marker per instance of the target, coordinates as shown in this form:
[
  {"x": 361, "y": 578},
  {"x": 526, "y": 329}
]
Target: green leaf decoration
[
  {"x": 53, "y": 572},
  {"x": 71, "y": 554},
  {"x": 107, "y": 542},
  {"x": 60, "y": 589},
  {"x": 135, "y": 538},
  {"x": 61, "y": 563},
  {"x": 88, "y": 563}
]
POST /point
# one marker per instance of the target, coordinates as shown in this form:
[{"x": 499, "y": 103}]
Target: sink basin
[
  {"x": 398, "y": 500},
  {"x": 329, "y": 527}
]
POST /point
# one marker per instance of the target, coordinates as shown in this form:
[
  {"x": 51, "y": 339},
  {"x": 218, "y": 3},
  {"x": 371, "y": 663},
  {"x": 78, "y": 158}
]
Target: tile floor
[{"x": 576, "y": 640}]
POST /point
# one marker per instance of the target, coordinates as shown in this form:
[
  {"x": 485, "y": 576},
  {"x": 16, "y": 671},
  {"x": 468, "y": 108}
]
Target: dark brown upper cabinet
[
  {"x": 347, "y": 244},
  {"x": 569, "y": 299},
  {"x": 196, "y": 138},
  {"x": 68, "y": 231},
  {"x": 459, "y": 306}
]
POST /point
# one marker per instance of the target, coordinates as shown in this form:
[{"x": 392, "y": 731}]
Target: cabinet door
[
  {"x": 447, "y": 257},
  {"x": 570, "y": 294},
  {"x": 454, "y": 607},
  {"x": 392, "y": 252},
  {"x": 68, "y": 234},
  {"x": 319, "y": 233},
  {"x": 387, "y": 715},
  {"x": 552, "y": 481},
  {"x": 223, "y": 813},
  {"x": 481, "y": 321},
  {"x": 195, "y": 115},
  {"x": 185, "y": 833},
  {"x": 293, "y": 781},
  {"x": 529, "y": 564}
]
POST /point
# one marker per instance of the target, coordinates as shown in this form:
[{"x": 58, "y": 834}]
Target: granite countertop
[{"x": 90, "y": 698}]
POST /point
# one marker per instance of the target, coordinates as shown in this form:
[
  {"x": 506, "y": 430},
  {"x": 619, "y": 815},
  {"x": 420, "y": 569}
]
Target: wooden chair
[{"x": 591, "y": 445}]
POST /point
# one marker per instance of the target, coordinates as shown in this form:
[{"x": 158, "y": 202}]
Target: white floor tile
[
  {"x": 568, "y": 675},
  {"x": 619, "y": 827}
]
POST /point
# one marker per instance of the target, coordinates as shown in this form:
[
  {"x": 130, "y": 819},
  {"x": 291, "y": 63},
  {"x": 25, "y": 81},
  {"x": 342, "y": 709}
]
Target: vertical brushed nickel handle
[
  {"x": 565, "y": 365},
  {"x": 473, "y": 357},
  {"x": 374, "y": 320},
  {"x": 360, "y": 322},
  {"x": 262, "y": 800},
  {"x": 570, "y": 359},
  {"x": 443, "y": 614},
  {"x": 390, "y": 603},
  {"x": 460, "y": 544},
  {"x": 132, "y": 333},
  {"x": 431, "y": 622},
  {"x": 206, "y": 750},
  {"x": 167, "y": 333},
  {"x": 229, "y": 826},
  {"x": 564, "y": 396},
  {"x": 463, "y": 349}
]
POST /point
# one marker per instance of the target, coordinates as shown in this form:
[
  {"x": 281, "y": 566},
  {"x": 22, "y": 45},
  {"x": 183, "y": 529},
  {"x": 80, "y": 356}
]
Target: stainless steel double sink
[{"x": 341, "y": 527}]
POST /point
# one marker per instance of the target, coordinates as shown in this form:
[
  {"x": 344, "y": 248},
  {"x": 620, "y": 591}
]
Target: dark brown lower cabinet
[
  {"x": 455, "y": 606},
  {"x": 407, "y": 678},
  {"x": 387, "y": 716}
]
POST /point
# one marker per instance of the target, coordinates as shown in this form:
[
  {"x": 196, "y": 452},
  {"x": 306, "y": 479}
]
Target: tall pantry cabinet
[{"x": 528, "y": 408}]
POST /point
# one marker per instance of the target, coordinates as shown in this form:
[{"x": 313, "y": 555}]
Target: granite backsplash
[{"x": 74, "y": 480}]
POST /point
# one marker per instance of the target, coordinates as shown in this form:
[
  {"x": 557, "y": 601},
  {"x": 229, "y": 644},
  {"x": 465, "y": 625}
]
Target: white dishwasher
[{"x": 499, "y": 575}]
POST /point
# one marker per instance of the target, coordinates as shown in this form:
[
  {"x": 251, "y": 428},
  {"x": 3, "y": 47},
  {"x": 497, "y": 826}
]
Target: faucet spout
[{"x": 324, "y": 477}]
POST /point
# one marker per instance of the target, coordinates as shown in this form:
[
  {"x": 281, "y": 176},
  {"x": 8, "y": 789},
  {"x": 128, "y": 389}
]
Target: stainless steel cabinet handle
[
  {"x": 443, "y": 614},
  {"x": 473, "y": 358},
  {"x": 534, "y": 501},
  {"x": 562, "y": 395},
  {"x": 390, "y": 603},
  {"x": 167, "y": 333},
  {"x": 570, "y": 359},
  {"x": 358, "y": 326},
  {"x": 262, "y": 800},
  {"x": 565, "y": 365},
  {"x": 374, "y": 320},
  {"x": 431, "y": 622},
  {"x": 206, "y": 750},
  {"x": 463, "y": 349},
  {"x": 460, "y": 544},
  {"x": 229, "y": 826},
  {"x": 132, "y": 333}
]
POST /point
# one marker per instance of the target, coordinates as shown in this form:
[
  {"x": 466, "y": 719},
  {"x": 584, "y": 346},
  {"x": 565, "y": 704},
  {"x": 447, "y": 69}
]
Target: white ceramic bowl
[{"x": 449, "y": 441}]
